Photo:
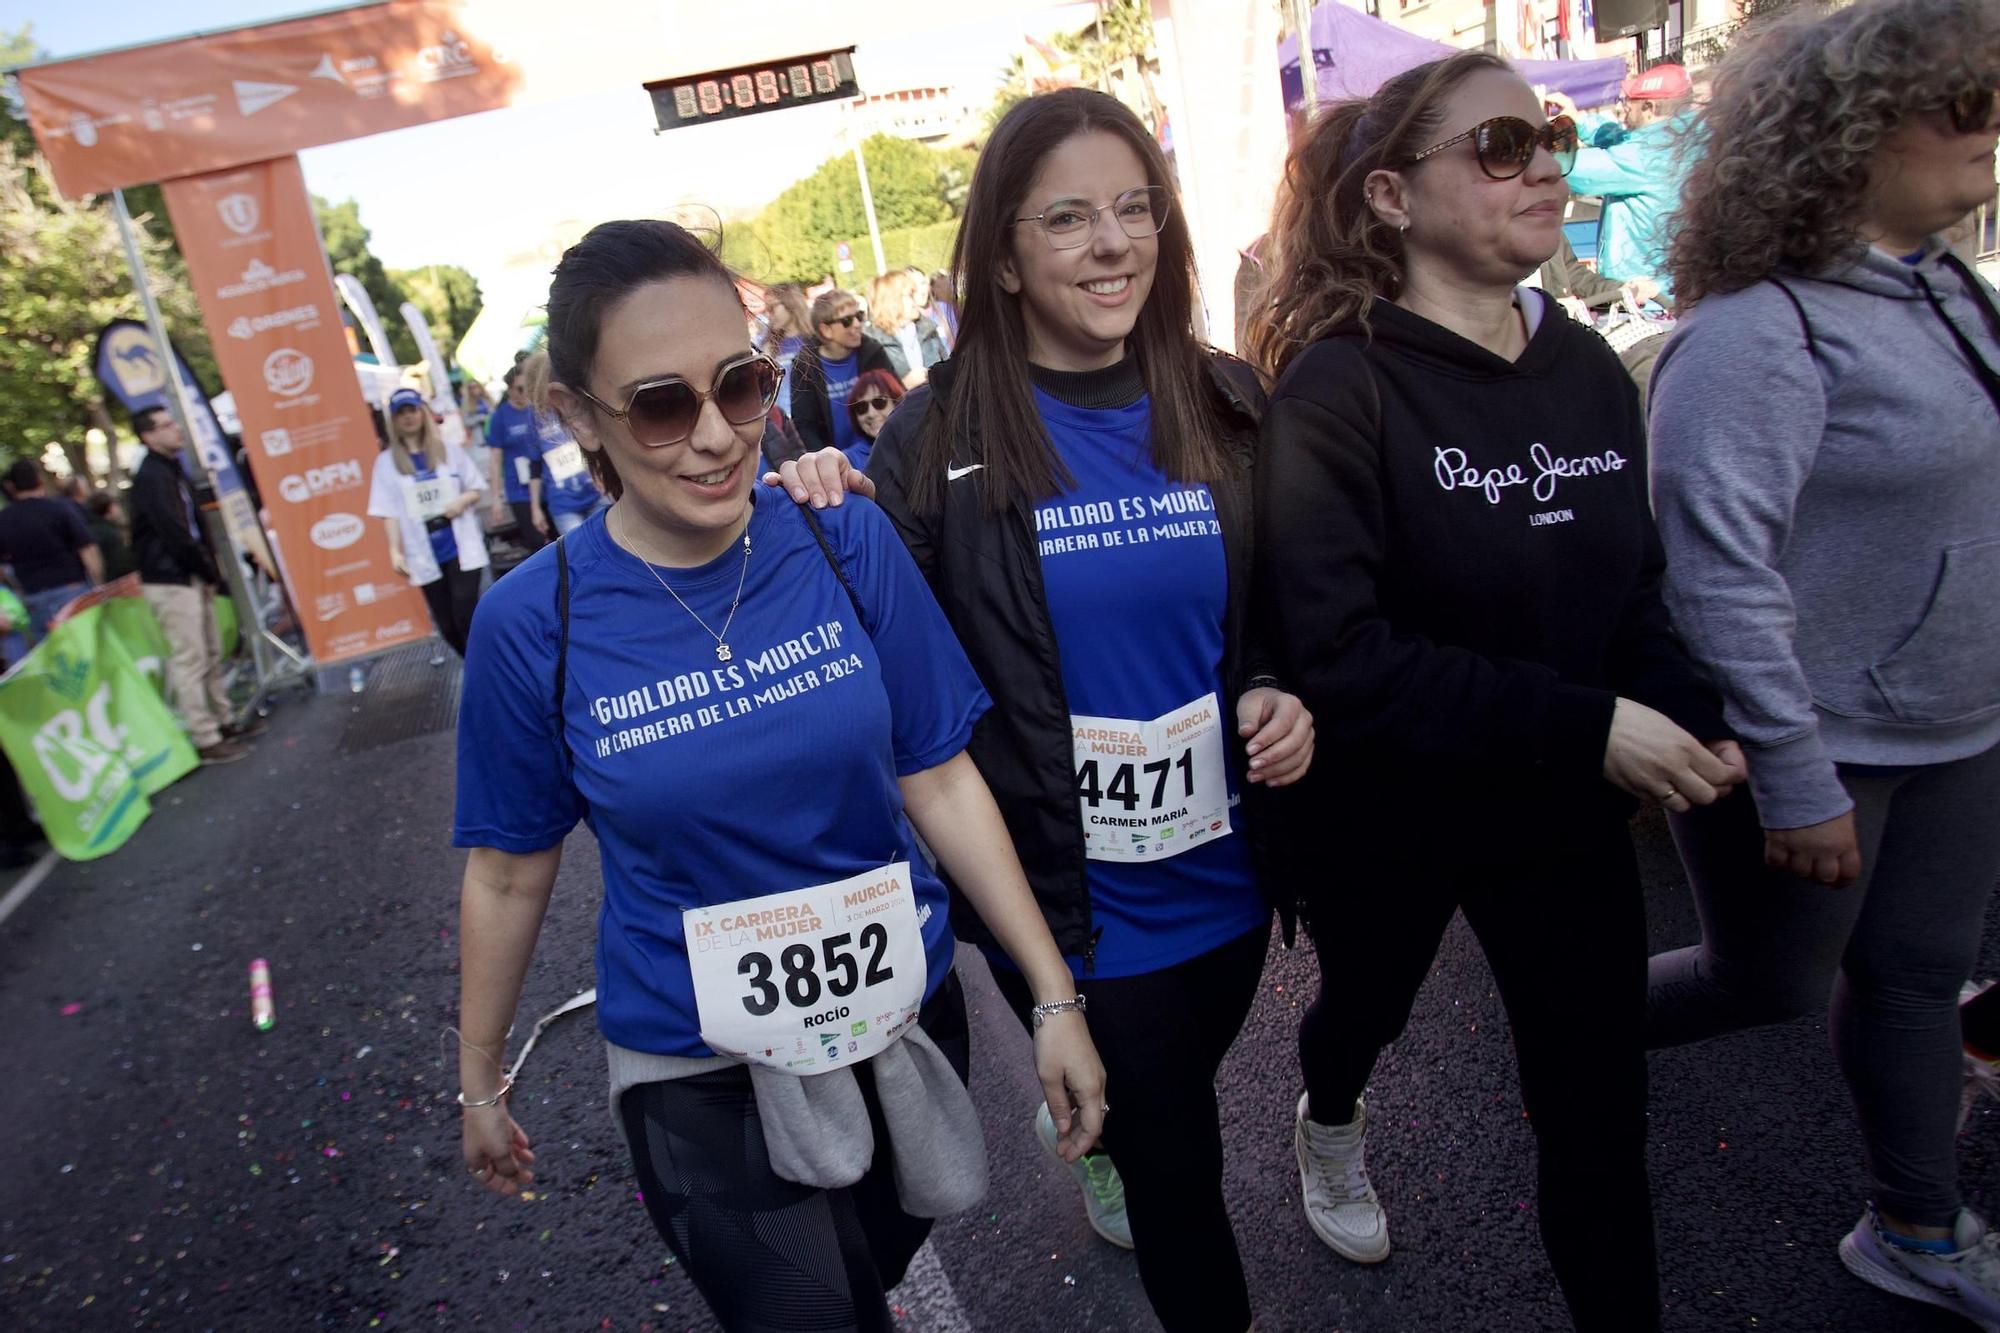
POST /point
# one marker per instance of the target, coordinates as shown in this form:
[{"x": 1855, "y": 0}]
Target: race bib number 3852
[
  {"x": 1151, "y": 789},
  {"x": 812, "y": 979}
]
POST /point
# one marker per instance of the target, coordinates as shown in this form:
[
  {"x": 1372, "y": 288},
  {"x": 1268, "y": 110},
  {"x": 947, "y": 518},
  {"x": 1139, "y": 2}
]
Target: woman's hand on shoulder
[
  {"x": 822, "y": 478},
  {"x": 1278, "y": 734},
  {"x": 1073, "y": 1081}
]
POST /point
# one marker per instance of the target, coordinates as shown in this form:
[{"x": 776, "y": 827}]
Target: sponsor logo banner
[{"x": 312, "y": 445}]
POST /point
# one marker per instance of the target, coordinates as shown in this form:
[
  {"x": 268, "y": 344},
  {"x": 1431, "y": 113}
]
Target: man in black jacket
[
  {"x": 179, "y": 578},
  {"x": 823, "y": 371}
]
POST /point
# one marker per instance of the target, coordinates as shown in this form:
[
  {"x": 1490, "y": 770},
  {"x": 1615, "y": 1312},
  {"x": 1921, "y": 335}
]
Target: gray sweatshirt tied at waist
[{"x": 1831, "y": 517}]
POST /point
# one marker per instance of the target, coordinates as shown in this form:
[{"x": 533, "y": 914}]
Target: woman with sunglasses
[
  {"x": 1826, "y": 427},
  {"x": 1455, "y": 552},
  {"x": 562, "y": 492},
  {"x": 425, "y": 492},
  {"x": 826, "y": 368},
  {"x": 1075, "y": 482},
  {"x": 869, "y": 403},
  {"x": 752, "y": 708}
]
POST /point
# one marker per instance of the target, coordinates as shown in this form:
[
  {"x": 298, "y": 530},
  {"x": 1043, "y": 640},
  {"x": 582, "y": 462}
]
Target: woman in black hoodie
[{"x": 1457, "y": 560}]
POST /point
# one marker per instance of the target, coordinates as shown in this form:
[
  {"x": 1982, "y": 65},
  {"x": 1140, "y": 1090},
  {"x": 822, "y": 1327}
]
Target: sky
[{"x": 498, "y": 193}]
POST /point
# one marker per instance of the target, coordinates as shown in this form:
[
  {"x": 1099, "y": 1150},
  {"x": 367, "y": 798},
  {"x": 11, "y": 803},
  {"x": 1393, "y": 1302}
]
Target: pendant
[{"x": 722, "y": 653}]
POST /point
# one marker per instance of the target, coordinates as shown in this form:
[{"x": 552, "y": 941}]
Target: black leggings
[
  {"x": 1563, "y": 927},
  {"x": 1162, "y": 1036},
  {"x": 526, "y": 535},
  {"x": 766, "y": 1253},
  {"x": 451, "y": 598}
]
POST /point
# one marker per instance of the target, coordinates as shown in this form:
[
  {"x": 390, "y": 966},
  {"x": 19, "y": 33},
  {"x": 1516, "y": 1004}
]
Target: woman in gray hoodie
[{"x": 1826, "y": 449}]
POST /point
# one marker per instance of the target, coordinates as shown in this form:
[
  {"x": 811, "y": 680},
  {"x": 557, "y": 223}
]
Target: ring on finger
[{"x": 1669, "y": 794}]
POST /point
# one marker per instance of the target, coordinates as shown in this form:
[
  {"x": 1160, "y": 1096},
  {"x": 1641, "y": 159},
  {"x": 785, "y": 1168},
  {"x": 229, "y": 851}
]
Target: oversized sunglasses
[
  {"x": 1506, "y": 144},
  {"x": 664, "y": 411},
  {"x": 846, "y": 321},
  {"x": 874, "y": 405},
  {"x": 1971, "y": 111},
  {"x": 1069, "y": 223}
]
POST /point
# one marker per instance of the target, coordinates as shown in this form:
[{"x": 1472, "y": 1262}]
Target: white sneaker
[
  {"x": 1103, "y": 1188},
  {"x": 1341, "y": 1205},
  {"x": 1982, "y": 1076},
  {"x": 1965, "y": 1282}
]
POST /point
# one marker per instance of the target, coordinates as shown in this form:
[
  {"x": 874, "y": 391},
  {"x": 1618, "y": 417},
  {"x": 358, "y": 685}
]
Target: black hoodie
[{"x": 1458, "y": 562}]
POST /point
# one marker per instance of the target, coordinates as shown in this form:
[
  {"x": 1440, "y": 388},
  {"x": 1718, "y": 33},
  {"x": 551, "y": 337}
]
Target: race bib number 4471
[
  {"x": 812, "y": 979},
  {"x": 1151, "y": 789}
]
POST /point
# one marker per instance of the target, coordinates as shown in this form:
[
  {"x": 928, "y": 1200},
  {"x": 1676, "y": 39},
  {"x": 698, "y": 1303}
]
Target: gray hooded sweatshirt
[{"x": 1831, "y": 517}]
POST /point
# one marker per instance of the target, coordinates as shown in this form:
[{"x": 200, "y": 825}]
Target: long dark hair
[
  {"x": 990, "y": 360},
  {"x": 607, "y": 265},
  {"x": 1327, "y": 255}
]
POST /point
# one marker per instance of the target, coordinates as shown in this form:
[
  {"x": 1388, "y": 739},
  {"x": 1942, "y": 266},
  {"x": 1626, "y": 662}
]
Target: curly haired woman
[{"x": 1826, "y": 449}]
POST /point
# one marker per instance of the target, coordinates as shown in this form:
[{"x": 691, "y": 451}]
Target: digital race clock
[{"x": 773, "y": 86}]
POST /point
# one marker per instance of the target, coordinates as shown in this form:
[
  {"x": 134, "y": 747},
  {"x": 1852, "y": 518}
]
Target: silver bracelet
[
  {"x": 1042, "y": 1011},
  {"x": 506, "y": 1086}
]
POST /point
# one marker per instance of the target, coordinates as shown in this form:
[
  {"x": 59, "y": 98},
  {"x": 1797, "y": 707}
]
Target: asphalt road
[{"x": 169, "y": 1167}]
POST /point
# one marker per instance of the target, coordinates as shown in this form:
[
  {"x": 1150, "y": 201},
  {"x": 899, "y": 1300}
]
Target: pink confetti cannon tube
[{"x": 262, "y": 1013}]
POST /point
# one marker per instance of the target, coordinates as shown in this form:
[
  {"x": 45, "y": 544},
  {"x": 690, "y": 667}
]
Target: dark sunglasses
[
  {"x": 664, "y": 411},
  {"x": 1506, "y": 144},
  {"x": 847, "y": 321},
  {"x": 874, "y": 405},
  {"x": 1971, "y": 111}
]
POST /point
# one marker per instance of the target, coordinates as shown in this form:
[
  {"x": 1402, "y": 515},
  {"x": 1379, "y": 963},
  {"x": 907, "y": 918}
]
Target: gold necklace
[{"x": 722, "y": 653}]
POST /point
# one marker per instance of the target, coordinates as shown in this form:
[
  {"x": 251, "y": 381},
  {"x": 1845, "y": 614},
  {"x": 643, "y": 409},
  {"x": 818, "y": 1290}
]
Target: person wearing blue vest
[
  {"x": 757, "y": 712},
  {"x": 514, "y": 436},
  {"x": 1075, "y": 483}
]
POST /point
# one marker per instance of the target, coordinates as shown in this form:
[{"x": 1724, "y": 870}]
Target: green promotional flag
[
  {"x": 88, "y": 736},
  {"x": 225, "y": 625},
  {"x": 156, "y": 746},
  {"x": 138, "y": 631}
]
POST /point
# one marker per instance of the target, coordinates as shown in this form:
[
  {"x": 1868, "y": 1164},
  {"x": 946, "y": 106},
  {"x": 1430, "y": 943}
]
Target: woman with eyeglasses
[
  {"x": 1075, "y": 483},
  {"x": 1826, "y": 427},
  {"x": 869, "y": 403},
  {"x": 752, "y": 708},
  {"x": 425, "y": 492},
  {"x": 1456, "y": 555}
]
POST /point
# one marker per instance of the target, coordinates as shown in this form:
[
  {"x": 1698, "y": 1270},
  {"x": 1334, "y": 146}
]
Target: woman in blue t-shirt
[
  {"x": 752, "y": 710},
  {"x": 1075, "y": 483},
  {"x": 561, "y": 490}
]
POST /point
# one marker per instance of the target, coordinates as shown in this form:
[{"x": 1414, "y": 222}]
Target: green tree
[
  {"x": 63, "y": 276},
  {"x": 793, "y": 238},
  {"x": 346, "y": 241},
  {"x": 448, "y": 296}
]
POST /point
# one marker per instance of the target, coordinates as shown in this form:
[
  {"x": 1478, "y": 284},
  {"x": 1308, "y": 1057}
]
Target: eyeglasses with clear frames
[{"x": 1070, "y": 223}]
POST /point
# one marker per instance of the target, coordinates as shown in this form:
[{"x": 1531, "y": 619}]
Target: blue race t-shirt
[
  {"x": 444, "y": 542},
  {"x": 1137, "y": 582},
  {"x": 512, "y": 430},
  {"x": 566, "y": 484},
  {"x": 709, "y": 782},
  {"x": 840, "y": 377},
  {"x": 860, "y": 451}
]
